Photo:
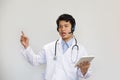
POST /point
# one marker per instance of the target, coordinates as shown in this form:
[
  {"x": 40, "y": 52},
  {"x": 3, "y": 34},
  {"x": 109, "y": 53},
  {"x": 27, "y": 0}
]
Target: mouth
[{"x": 63, "y": 33}]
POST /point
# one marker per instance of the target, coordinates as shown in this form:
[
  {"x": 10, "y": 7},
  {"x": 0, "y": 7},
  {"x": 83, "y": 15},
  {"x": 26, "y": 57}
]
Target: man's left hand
[{"x": 84, "y": 66}]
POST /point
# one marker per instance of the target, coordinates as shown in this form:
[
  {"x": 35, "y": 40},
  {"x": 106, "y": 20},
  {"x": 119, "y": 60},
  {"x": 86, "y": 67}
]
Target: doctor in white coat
[{"x": 60, "y": 56}]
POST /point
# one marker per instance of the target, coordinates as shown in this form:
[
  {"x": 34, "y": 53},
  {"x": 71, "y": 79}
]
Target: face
[{"x": 64, "y": 30}]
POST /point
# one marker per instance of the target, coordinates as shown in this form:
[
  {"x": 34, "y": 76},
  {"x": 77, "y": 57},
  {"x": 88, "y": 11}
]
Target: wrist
[{"x": 83, "y": 72}]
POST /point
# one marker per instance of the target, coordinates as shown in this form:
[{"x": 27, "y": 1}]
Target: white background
[{"x": 98, "y": 29}]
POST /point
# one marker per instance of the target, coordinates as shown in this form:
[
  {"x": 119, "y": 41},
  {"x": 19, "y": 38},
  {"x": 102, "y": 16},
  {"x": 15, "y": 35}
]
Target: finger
[
  {"x": 87, "y": 62},
  {"x": 22, "y": 33},
  {"x": 81, "y": 64},
  {"x": 22, "y": 38}
]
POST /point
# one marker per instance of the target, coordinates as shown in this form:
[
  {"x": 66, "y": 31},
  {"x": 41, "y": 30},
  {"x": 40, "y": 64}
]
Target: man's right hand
[{"x": 24, "y": 40}]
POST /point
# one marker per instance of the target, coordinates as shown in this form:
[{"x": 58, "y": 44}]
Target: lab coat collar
[{"x": 60, "y": 41}]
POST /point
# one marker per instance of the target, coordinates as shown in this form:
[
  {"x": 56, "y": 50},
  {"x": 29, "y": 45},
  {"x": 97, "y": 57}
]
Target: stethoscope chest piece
[{"x": 54, "y": 58}]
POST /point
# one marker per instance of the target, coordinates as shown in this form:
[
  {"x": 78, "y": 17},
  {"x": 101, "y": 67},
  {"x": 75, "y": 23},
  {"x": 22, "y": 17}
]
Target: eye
[
  {"x": 59, "y": 26},
  {"x": 66, "y": 26}
]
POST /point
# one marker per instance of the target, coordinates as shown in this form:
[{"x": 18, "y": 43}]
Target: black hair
[{"x": 66, "y": 17}]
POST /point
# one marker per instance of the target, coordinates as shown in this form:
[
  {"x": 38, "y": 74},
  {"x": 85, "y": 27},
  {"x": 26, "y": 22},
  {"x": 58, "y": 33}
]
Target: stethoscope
[{"x": 75, "y": 45}]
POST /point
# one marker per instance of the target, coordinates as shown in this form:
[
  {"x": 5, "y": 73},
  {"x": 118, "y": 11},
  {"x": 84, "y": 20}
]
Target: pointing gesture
[{"x": 24, "y": 40}]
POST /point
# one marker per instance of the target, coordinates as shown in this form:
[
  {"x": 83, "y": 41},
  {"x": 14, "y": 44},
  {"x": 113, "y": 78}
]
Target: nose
[{"x": 62, "y": 28}]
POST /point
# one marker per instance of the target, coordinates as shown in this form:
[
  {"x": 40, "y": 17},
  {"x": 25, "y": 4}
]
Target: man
[{"x": 60, "y": 56}]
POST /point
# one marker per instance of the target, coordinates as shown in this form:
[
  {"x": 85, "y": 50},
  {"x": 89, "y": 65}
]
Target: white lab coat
[{"x": 63, "y": 67}]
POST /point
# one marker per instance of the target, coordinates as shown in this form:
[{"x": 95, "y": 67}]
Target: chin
[{"x": 64, "y": 38}]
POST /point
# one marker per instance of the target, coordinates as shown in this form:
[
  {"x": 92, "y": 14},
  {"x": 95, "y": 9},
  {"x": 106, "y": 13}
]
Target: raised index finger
[{"x": 22, "y": 33}]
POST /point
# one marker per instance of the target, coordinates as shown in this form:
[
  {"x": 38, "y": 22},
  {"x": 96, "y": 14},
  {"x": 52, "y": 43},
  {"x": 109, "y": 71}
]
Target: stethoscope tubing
[{"x": 75, "y": 45}]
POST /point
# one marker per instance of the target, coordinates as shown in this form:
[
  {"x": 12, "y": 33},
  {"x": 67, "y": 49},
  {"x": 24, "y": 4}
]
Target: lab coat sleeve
[{"x": 32, "y": 58}]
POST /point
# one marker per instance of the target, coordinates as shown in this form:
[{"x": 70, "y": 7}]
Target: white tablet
[{"x": 85, "y": 58}]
